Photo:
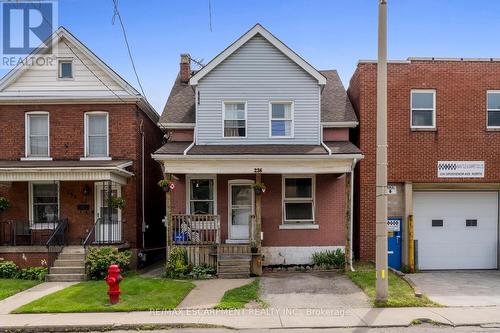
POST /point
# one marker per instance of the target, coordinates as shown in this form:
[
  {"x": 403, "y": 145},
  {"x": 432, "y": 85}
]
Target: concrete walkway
[
  {"x": 208, "y": 293},
  {"x": 252, "y": 318},
  {"x": 27, "y": 296}
]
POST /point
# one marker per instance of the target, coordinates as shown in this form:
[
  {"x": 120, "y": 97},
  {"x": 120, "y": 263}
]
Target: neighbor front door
[
  {"x": 241, "y": 207},
  {"x": 108, "y": 228}
]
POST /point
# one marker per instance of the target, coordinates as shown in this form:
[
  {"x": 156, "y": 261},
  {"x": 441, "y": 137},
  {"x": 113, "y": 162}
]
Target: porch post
[
  {"x": 257, "y": 259},
  {"x": 168, "y": 217},
  {"x": 348, "y": 240}
]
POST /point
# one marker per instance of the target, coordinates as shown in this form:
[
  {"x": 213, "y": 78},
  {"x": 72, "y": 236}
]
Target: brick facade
[{"x": 461, "y": 132}]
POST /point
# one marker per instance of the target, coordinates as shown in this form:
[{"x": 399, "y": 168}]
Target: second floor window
[
  {"x": 37, "y": 134},
  {"x": 423, "y": 109},
  {"x": 281, "y": 119},
  {"x": 96, "y": 134},
  {"x": 493, "y": 109},
  {"x": 235, "y": 124}
]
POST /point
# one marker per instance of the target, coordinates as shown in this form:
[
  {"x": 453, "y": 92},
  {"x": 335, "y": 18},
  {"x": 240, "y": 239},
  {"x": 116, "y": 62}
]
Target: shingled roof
[{"x": 335, "y": 105}]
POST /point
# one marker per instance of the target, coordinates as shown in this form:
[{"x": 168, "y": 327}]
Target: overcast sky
[{"x": 329, "y": 34}]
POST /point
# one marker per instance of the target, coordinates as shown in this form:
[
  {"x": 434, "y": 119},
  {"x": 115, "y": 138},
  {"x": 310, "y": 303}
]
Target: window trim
[
  {"x": 306, "y": 224},
  {"x": 60, "y": 61},
  {"x": 188, "y": 190},
  {"x": 488, "y": 109},
  {"x": 292, "y": 115},
  {"x": 86, "y": 141},
  {"x": 34, "y": 225},
  {"x": 27, "y": 149},
  {"x": 433, "y": 91},
  {"x": 224, "y": 118}
]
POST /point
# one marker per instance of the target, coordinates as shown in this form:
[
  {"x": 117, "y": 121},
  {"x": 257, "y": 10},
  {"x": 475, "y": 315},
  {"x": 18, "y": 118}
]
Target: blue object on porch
[
  {"x": 394, "y": 242},
  {"x": 181, "y": 237}
]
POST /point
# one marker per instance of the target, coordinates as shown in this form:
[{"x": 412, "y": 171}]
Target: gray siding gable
[{"x": 258, "y": 73}]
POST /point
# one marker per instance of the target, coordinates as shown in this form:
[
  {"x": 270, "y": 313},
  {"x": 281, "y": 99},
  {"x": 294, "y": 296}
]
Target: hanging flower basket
[
  {"x": 259, "y": 188},
  {"x": 4, "y": 204},
  {"x": 116, "y": 202},
  {"x": 166, "y": 185}
]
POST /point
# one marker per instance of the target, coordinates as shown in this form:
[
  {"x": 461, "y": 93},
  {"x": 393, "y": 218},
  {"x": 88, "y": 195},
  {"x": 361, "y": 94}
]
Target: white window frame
[
  {"x": 433, "y": 91},
  {"x": 302, "y": 224},
  {"x": 34, "y": 225},
  {"x": 27, "y": 146},
  {"x": 224, "y": 118},
  {"x": 292, "y": 113},
  {"x": 60, "y": 61},
  {"x": 488, "y": 109},
  {"x": 85, "y": 132},
  {"x": 189, "y": 178}
]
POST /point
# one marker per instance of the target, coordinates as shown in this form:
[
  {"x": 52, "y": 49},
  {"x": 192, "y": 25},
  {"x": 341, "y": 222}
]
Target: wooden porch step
[{"x": 234, "y": 265}]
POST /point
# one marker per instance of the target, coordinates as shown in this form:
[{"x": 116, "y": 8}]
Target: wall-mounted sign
[
  {"x": 391, "y": 189},
  {"x": 460, "y": 169},
  {"x": 393, "y": 224}
]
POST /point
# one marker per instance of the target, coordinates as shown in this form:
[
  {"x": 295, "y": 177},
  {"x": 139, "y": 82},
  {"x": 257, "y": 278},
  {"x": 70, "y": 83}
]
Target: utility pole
[{"x": 381, "y": 174}]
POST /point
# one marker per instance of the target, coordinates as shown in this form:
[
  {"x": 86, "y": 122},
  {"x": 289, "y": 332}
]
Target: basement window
[
  {"x": 437, "y": 223},
  {"x": 471, "y": 223}
]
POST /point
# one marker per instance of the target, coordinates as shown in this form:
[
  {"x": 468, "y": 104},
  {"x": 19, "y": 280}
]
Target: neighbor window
[
  {"x": 493, "y": 109},
  {"x": 65, "y": 69},
  {"x": 423, "y": 108},
  {"x": 298, "y": 199},
  {"x": 234, "y": 120},
  {"x": 201, "y": 196},
  {"x": 281, "y": 119},
  {"x": 96, "y": 134},
  {"x": 37, "y": 134},
  {"x": 45, "y": 201}
]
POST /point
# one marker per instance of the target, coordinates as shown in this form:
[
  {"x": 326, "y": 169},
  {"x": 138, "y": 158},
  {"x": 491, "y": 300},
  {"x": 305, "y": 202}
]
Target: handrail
[
  {"x": 57, "y": 238},
  {"x": 61, "y": 226},
  {"x": 85, "y": 242}
]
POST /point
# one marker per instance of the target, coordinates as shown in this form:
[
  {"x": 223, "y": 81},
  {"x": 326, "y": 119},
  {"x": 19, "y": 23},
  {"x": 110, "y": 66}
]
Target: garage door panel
[{"x": 455, "y": 245}]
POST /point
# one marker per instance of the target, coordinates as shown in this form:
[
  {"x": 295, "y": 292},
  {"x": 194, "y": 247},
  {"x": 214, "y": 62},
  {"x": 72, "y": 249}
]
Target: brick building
[{"x": 443, "y": 158}]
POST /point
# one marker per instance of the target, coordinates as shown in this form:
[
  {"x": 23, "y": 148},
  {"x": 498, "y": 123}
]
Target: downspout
[
  {"x": 323, "y": 143},
  {"x": 192, "y": 143},
  {"x": 351, "y": 217},
  {"x": 141, "y": 126}
]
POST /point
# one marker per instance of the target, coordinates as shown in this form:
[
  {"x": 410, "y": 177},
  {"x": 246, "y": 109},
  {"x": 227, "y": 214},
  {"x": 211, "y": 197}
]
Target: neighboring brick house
[
  {"x": 258, "y": 113},
  {"x": 74, "y": 135},
  {"x": 443, "y": 146}
]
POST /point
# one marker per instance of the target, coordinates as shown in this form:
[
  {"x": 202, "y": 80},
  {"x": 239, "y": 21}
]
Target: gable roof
[
  {"x": 258, "y": 29},
  {"x": 126, "y": 93}
]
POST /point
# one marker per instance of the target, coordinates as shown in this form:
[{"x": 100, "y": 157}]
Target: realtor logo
[{"x": 26, "y": 26}]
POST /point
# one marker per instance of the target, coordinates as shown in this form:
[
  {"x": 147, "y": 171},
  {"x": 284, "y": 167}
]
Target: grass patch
[
  {"x": 138, "y": 294},
  {"x": 400, "y": 292},
  {"x": 9, "y": 287},
  {"x": 237, "y": 298}
]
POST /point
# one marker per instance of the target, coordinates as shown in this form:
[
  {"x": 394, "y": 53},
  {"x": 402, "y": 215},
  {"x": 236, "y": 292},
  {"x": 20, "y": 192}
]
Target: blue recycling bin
[{"x": 180, "y": 237}]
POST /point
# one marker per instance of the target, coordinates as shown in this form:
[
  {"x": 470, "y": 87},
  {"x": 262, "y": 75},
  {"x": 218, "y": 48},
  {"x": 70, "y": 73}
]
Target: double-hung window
[
  {"x": 493, "y": 103},
  {"x": 423, "y": 109},
  {"x": 37, "y": 134},
  {"x": 281, "y": 119},
  {"x": 45, "y": 202},
  {"x": 235, "y": 124},
  {"x": 298, "y": 200},
  {"x": 96, "y": 135},
  {"x": 201, "y": 196}
]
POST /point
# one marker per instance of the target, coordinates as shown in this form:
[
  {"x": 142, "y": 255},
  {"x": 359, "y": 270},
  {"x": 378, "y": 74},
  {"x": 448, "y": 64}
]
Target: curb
[
  {"x": 103, "y": 328},
  {"x": 418, "y": 292}
]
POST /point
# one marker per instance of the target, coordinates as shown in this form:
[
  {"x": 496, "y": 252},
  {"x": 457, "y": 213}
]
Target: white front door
[
  {"x": 241, "y": 207},
  {"x": 108, "y": 228}
]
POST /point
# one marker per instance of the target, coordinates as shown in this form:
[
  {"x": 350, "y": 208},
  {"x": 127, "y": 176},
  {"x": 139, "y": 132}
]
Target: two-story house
[
  {"x": 75, "y": 161},
  {"x": 258, "y": 115},
  {"x": 443, "y": 160}
]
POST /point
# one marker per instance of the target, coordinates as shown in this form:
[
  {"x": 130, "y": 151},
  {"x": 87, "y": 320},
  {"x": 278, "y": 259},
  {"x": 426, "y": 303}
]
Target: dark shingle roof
[
  {"x": 6, "y": 164},
  {"x": 335, "y": 105}
]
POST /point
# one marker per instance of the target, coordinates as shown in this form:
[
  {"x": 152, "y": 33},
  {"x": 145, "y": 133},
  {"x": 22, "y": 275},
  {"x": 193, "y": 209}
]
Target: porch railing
[
  {"x": 56, "y": 241},
  {"x": 25, "y": 232},
  {"x": 195, "y": 229}
]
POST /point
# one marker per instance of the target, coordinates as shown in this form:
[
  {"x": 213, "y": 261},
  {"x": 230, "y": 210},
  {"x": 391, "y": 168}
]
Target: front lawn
[
  {"x": 237, "y": 298},
  {"x": 138, "y": 294},
  {"x": 400, "y": 292},
  {"x": 9, "y": 287}
]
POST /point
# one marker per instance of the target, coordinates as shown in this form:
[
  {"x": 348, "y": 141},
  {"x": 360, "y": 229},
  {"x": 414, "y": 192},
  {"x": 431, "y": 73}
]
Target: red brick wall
[
  {"x": 330, "y": 210},
  {"x": 460, "y": 119},
  {"x": 28, "y": 259},
  {"x": 181, "y": 135},
  {"x": 335, "y": 134}
]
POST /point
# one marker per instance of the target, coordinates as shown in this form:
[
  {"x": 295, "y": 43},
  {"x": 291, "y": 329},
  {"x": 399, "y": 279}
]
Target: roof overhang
[
  {"x": 258, "y": 29},
  {"x": 241, "y": 164},
  {"x": 350, "y": 124},
  {"x": 177, "y": 125}
]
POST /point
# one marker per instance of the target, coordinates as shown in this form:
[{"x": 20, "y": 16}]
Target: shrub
[
  {"x": 329, "y": 259},
  {"x": 32, "y": 273},
  {"x": 100, "y": 258},
  {"x": 202, "y": 272},
  {"x": 4, "y": 204},
  {"x": 177, "y": 264},
  {"x": 8, "y": 269}
]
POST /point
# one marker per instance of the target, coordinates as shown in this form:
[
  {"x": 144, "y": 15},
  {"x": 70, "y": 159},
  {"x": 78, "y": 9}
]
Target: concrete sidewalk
[{"x": 253, "y": 318}]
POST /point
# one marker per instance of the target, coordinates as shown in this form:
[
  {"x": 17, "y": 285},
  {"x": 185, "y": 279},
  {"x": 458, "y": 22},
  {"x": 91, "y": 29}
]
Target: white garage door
[{"x": 456, "y": 230}]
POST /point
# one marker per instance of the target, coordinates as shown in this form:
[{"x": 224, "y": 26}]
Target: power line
[{"x": 117, "y": 14}]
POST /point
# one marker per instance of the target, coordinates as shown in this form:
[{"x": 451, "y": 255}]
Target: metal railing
[
  {"x": 195, "y": 229},
  {"x": 56, "y": 241},
  {"x": 25, "y": 232}
]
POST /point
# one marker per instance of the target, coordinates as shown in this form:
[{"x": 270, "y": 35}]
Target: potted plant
[
  {"x": 166, "y": 184},
  {"x": 4, "y": 204},
  {"x": 116, "y": 202},
  {"x": 259, "y": 188},
  {"x": 253, "y": 247}
]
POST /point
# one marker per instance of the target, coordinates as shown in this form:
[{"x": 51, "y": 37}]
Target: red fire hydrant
[{"x": 113, "y": 280}]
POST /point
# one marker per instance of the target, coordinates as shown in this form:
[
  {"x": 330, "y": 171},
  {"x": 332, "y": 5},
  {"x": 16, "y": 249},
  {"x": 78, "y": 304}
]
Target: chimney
[{"x": 185, "y": 71}]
